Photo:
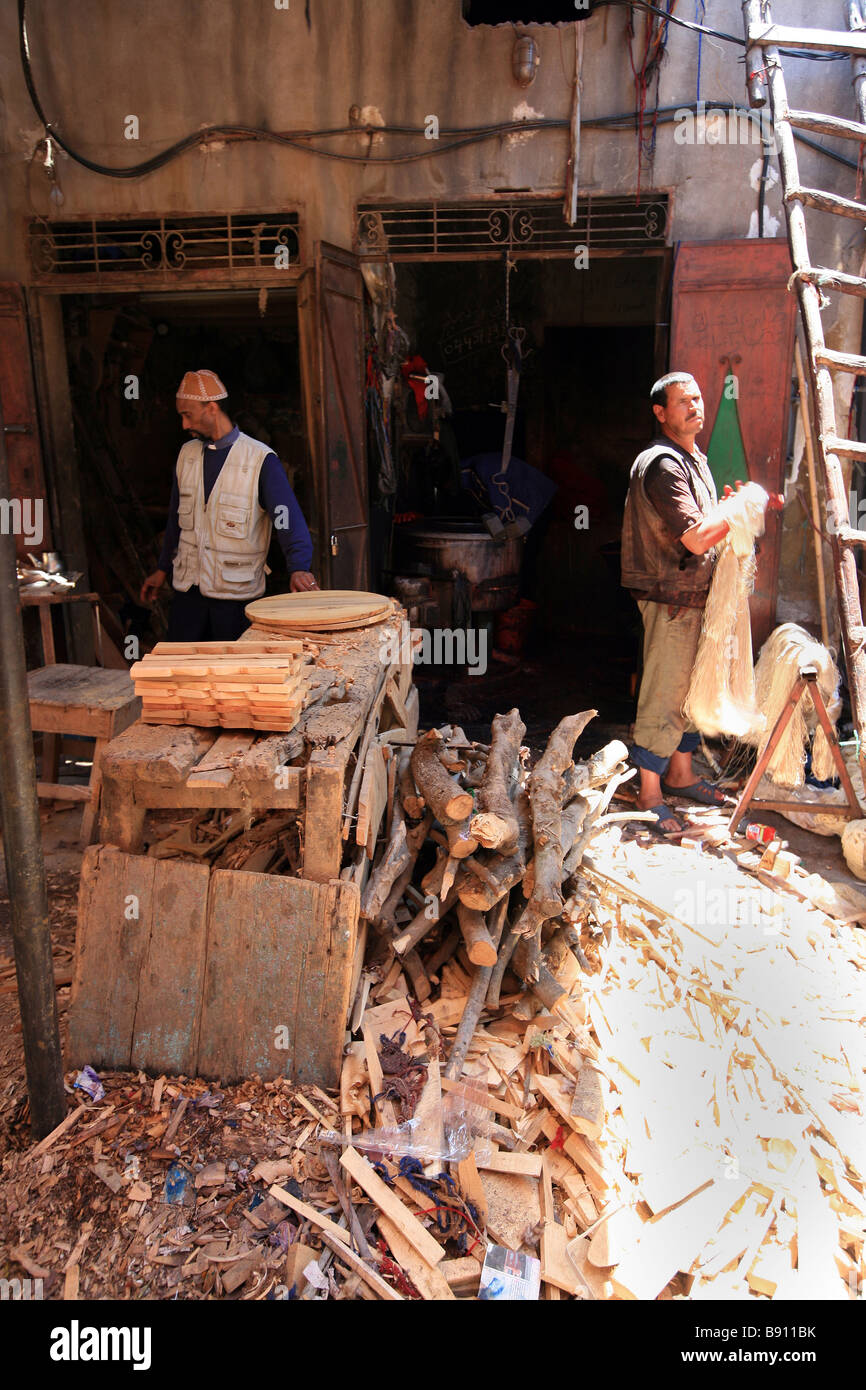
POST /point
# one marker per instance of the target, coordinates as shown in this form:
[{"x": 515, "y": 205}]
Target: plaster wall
[{"x": 179, "y": 66}]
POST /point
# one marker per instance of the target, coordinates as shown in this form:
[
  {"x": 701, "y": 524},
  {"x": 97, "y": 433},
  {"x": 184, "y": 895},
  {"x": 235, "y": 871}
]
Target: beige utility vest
[{"x": 223, "y": 545}]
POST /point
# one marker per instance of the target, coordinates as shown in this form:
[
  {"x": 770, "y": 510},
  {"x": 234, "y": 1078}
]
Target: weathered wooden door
[
  {"x": 331, "y": 318},
  {"x": 733, "y": 314},
  {"x": 27, "y": 506}
]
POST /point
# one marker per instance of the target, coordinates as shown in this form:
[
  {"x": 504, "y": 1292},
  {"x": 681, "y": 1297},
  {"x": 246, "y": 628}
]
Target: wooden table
[
  {"x": 87, "y": 701},
  {"x": 45, "y": 602}
]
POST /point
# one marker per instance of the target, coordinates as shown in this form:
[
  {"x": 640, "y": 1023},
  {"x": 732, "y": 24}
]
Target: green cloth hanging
[{"x": 725, "y": 452}]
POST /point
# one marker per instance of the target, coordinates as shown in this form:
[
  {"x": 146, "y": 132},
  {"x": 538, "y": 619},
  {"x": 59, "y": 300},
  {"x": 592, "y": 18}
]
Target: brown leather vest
[{"x": 655, "y": 565}]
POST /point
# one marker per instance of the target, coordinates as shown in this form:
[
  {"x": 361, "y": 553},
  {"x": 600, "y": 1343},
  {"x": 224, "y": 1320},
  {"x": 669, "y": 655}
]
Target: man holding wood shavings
[
  {"x": 671, "y": 526},
  {"x": 229, "y": 493}
]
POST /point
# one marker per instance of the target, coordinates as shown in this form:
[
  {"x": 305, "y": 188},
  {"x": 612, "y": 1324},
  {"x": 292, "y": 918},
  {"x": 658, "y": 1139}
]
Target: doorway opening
[
  {"x": 592, "y": 348},
  {"x": 126, "y": 354}
]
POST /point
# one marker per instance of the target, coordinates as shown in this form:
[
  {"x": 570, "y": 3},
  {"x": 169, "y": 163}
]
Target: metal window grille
[
  {"x": 529, "y": 227},
  {"x": 166, "y": 248}
]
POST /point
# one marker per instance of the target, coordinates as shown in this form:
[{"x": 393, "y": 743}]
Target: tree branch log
[
  {"x": 545, "y": 793},
  {"x": 495, "y": 824},
  {"x": 443, "y": 794},
  {"x": 475, "y": 1001},
  {"x": 479, "y": 943}
]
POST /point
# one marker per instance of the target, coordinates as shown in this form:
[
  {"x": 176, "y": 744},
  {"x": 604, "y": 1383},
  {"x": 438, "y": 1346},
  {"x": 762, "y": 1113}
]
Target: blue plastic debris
[
  {"x": 176, "y": 1183},
  {"x": 88, "y": 1081}
]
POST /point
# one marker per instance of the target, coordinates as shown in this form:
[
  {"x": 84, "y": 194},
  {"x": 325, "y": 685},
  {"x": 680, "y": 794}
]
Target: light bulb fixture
[
  {"x": 48, "y": 162},
  {"x": 524, "y": 60}
]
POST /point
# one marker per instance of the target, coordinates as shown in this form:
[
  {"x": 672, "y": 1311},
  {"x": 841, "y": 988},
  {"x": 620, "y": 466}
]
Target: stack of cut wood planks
[{"x": 238, "y": 685}]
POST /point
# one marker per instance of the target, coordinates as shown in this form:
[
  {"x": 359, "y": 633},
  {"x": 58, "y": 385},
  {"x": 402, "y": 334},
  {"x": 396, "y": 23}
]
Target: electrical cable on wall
[{"x": 463, "y": 137}]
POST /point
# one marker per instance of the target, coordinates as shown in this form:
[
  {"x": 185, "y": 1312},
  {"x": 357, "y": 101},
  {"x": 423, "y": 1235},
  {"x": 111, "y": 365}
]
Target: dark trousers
[{"x": 194, "y": 618}]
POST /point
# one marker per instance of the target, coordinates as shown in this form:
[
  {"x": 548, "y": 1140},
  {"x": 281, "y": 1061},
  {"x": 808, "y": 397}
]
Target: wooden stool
[{"x": 90, "y": 702}]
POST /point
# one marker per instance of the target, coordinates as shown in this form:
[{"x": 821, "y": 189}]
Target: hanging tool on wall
[{"x": 504, "y": 521}]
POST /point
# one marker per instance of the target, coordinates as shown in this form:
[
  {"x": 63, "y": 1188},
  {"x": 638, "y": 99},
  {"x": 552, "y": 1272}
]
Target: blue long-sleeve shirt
[{"x": 274, "y": 491}]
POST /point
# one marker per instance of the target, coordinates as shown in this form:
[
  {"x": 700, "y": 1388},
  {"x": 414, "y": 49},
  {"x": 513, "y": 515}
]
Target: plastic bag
[{"x": 457, "y": 1125}]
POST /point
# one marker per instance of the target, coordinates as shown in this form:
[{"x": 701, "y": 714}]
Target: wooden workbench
[
  {"x": 153, "y": 766},
  {"x": 223, "y": 973}
]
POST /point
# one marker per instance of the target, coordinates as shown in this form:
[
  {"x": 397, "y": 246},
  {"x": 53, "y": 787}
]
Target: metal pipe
[{"x": 22, "y": 848}]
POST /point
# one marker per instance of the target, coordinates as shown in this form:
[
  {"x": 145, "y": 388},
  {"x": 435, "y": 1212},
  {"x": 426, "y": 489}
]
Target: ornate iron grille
[
  {"x": 533, "y": 227},
  {"x": 166, "y": 248}
]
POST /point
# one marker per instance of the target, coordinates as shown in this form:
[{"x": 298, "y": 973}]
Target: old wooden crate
[{"x": 216, "y": 973}]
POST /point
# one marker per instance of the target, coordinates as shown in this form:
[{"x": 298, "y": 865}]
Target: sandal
[
  {"x": 665, "y": 816},
  {"x": 701, "y": 791}
]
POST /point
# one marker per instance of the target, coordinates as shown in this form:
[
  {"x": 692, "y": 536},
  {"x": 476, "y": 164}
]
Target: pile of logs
[{"x": 509, "y": 843}]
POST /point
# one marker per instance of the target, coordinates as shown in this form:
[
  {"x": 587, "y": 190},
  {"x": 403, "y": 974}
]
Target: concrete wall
[{"x": 178, "y": 65}]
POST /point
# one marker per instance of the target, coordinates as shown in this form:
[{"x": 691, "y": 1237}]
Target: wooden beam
[
  {"x": 829, "y": 40},
  {"x": 827, "y": 202},
  {"x": 827, "y": 125}
]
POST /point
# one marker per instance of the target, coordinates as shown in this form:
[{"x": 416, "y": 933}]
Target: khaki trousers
[{"x": 669, "y": 650}]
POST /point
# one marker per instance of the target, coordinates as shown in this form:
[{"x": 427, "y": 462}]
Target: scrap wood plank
[
  {"x": 513, "y": 1207},
  {"x": 560, "y": 1093},
  {"x": 462, "y": 1275},
  {"x": 216, "y": 768},
  {"x": 398, "y": 716},
  {"x": 362, "y": 1269},
  {"x": 499, "y": 1106},
  {"x": 254, "y": 648},
  {"x": 583, "y": 1153},
  {"x": 165, "y": 1037},
  {"x": 428, "y": 1279},
  {"x": 287, "y": 941},
  {"x": 597, "y": 1281},
  {"x": 469, "y": 1183},
  {"x": 56, "y": 1133},
  {"x": 367, "y": 1178},
  {"x": 525, "y": 1165},
  {"x": 673, "y": 1241},
  {"x": 323, "y": 845},
  {"x": 556, "y": 1267},
  {"x": 303, "y": 1209},
  {"x": 372, "y": 796},
  {"x": 104, "y": 999},
  {"x": 587, "y": 1105}
]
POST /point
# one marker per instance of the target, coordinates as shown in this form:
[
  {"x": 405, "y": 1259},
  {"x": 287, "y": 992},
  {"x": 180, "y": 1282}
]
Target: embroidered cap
[{"x": 202, "y": 385}]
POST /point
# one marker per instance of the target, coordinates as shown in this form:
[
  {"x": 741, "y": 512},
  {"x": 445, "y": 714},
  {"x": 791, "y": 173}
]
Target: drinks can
[{"x": 763, "y": 834}]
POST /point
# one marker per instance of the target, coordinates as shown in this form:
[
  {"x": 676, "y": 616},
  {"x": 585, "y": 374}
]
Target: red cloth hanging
[{"x": 415, "y": 367}]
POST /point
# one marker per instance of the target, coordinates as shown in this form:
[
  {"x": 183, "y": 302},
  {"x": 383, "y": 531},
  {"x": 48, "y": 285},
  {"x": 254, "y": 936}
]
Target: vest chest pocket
[
  {"x": 186, "y": 511},
  {"x": 233, "y": 518}
]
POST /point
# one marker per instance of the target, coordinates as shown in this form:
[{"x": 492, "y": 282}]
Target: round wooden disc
[{"x": 318, "y": 608}]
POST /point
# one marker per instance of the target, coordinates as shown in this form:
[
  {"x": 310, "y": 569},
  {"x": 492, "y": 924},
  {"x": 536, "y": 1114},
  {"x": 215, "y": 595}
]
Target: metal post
[{"x": 22, "y": 847}]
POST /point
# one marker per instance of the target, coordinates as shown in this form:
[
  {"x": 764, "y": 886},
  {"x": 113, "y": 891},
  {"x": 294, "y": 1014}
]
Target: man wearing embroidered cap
[{"x": 229, "y": 492}]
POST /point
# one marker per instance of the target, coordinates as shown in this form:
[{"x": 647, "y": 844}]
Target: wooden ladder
[{"x": 765, "y": 78}]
